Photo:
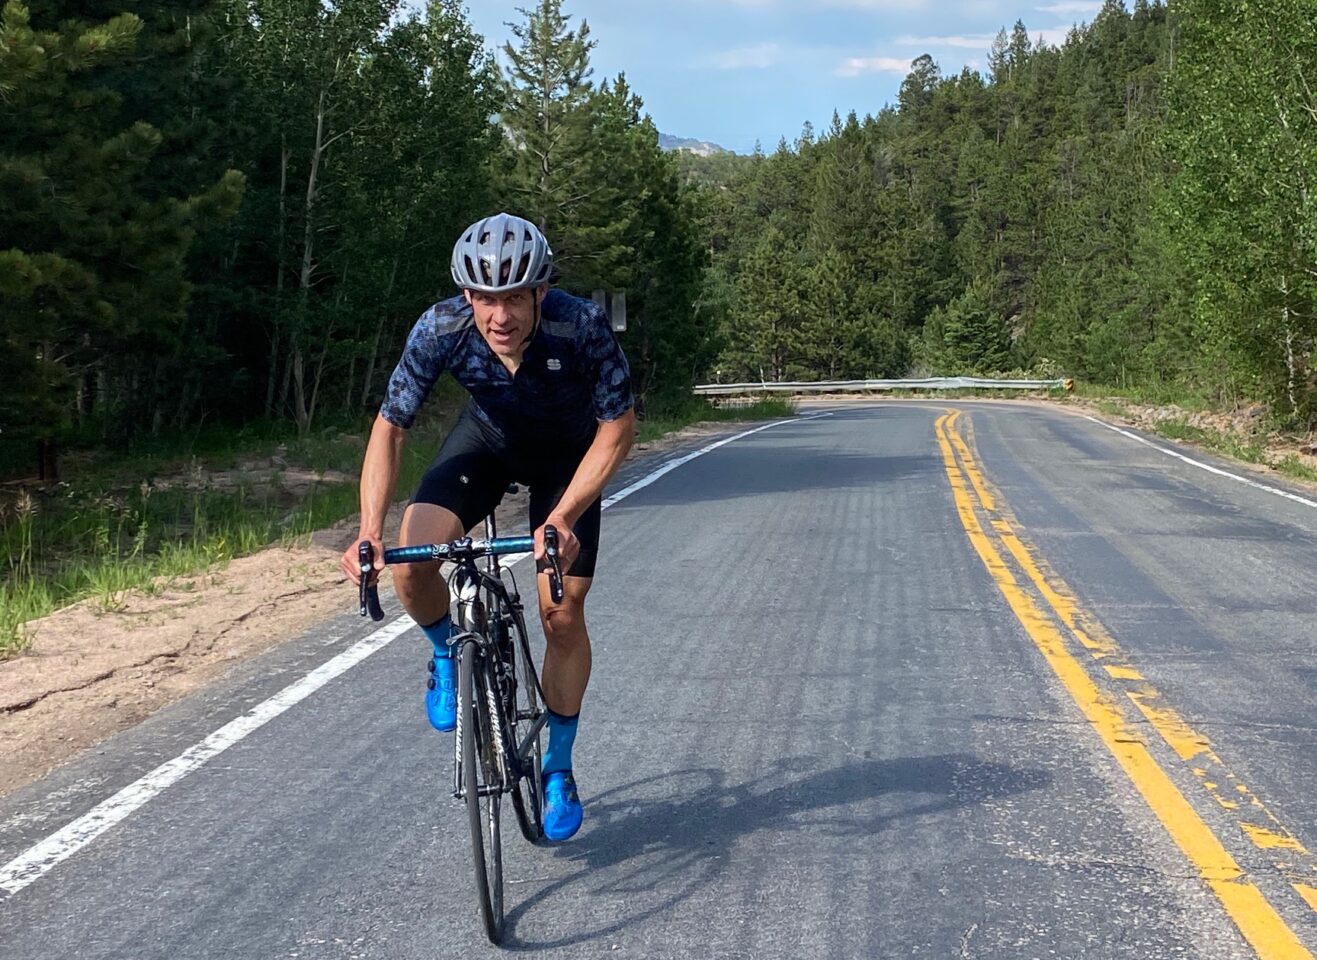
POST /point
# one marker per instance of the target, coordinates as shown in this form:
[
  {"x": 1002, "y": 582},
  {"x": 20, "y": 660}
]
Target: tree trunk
[
  {"x": 324, "y": 352},
  {"x": 301, "y": 415},
  {"x": 316, "y": 381},
  {"x": 47, "y": 461},
  {"x": 351, "y": 381},
  {"x": 275, "y": 333},
  {"x": 1291, "y": 366},
  {"x": 285, "y": 389},
  {"x": 379, "y": 332},
  {"x": 302, "y": 411}
]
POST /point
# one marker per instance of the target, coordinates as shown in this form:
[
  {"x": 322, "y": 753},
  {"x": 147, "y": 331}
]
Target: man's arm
[
  {"x": 612, "y": 442},
  {"x": 379, "y": 478}
]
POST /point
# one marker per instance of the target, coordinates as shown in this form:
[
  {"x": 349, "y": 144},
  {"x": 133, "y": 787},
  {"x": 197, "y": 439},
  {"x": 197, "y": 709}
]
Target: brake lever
[
  {"x": 370, "y": 594},
  {"x": 551, "y": 554}
]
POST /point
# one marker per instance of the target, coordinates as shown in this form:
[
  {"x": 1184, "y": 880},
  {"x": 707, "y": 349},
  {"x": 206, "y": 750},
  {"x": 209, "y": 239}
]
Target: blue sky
[{"x": 737, "y": 71}]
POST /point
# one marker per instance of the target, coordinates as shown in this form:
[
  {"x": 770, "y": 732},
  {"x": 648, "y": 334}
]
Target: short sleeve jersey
[{"x": 572, "y": 374}]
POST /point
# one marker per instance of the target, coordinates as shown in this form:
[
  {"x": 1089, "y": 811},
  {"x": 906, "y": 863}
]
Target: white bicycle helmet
[{"x": 499, "y": 253}]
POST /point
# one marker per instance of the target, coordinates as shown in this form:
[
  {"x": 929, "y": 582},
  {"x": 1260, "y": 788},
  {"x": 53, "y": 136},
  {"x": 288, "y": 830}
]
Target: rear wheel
[{"x": 478, "y": 760}]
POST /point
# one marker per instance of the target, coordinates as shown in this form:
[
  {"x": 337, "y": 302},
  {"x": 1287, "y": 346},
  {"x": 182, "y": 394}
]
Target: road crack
[{"x": 964, "y": 940}]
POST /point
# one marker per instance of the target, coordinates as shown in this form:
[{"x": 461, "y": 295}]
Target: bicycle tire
[
  {"x": 482, "y": 811},
  {"x": 521, "y": 713}
]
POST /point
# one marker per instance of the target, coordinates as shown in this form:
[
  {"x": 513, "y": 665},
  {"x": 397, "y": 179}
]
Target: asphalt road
[{"x": 824, "y": 722}]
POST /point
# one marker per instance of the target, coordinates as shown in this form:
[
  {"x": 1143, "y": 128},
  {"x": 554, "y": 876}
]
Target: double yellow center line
[{"x": 1068, "y": 636}]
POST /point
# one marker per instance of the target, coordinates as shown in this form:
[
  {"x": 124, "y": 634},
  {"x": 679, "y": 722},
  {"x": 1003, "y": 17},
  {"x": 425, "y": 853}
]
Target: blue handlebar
[
  {"x": 408, "y": 554},
  {"x": 443, "y": 551}
]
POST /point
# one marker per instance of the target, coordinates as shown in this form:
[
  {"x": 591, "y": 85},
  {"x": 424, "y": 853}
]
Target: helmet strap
[{"x": 535, "y": 307}]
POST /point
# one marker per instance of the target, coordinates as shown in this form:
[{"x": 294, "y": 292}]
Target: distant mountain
[{"x": 702, "y": 148}]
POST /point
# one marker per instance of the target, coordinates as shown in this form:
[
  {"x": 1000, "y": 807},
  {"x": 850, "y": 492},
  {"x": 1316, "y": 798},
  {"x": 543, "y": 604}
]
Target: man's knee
[
  {"x": 415, "y": 580},
  {"x": 423, "y": 523},
  {"x": 564, "y": 623}
]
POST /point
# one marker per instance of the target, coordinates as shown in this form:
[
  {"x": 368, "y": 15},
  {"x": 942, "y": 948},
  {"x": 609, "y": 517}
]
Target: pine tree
[
  {"x": 549, "y": 115},
  {"x": 91, "y": 264}
]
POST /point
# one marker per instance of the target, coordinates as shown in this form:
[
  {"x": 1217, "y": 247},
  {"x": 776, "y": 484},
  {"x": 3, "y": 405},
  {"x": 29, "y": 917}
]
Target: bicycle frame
[{"x": 472, "y": 618}]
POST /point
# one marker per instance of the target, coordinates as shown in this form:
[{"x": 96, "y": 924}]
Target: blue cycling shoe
[
  {"x": 441, "y": 694},
  {"x": 562, "y": 807}
]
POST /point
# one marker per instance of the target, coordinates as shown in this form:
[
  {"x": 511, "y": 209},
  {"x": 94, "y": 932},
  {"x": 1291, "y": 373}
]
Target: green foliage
[
  {"x": 966, "y": 337},
  {"x": 1134, "y": 206},
  {"x": 1243, "y": 131},
  {"x": 564, "y": 136},
  {"x": 92, "y": 255}
]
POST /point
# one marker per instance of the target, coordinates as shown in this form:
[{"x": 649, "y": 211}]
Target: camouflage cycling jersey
[{"x": 572, "y": 374}]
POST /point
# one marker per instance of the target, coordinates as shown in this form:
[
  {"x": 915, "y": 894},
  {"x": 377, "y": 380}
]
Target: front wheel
[
  {"x": 477, "y": 746},
  {"x": 525, "y": 722}
]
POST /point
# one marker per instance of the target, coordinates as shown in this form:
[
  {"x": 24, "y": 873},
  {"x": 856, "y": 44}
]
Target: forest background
[{"x": 221, "y": 217}]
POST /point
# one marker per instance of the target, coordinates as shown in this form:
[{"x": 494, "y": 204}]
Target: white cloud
[
  {"x": 1052, "y": 36},
  {"x": 758, "y": 57},
  {"x": 975, "y": 41},
  {"x": 858, "y": 66},
  {"x": 1065, "y": 7}
]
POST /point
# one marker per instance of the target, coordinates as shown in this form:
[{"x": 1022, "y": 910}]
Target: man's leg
[
  {"x": 424, "y": 595},
  {"x": 566, "y": 663},
  {"x": 422, "y": 590},
  {"x": 464, "y": 483},
  {"x": 567, "y": 651},
  {"x": 566, "y": 674}
]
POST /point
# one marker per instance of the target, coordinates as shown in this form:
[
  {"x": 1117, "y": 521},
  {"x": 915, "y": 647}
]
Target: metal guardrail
[{"x": 843, "y": 386}]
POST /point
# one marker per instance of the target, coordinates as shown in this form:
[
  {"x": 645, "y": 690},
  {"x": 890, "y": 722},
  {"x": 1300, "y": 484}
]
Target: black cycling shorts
[{"x": 476, "y": 464}]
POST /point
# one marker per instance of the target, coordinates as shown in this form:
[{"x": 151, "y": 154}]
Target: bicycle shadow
[{"x": 686, "y": 840}]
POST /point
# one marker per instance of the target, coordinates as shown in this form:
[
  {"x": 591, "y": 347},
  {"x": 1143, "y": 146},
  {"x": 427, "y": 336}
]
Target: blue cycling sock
[
  {"x": 439, "y": 632},
  {"x": 562, "y": 734}
]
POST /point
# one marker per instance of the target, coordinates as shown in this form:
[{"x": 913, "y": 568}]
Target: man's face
[{"x": 505, "y": 319}]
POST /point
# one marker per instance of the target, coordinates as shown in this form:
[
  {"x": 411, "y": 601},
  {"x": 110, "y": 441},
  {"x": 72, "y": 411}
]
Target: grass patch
[
  {"x": 1250, "y": 450},
  {"x": 662, "y": 421},
  {"x": 1112, "y": 408},
  {"x": 1292, "y": 466},
  {"x": 1247, "y": 449},
  {"x": 1154, "y": 395}
]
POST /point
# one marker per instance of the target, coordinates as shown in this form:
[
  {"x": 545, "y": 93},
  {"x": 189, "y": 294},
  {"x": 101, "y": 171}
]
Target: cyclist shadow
[{"x": 636, "y": 843}]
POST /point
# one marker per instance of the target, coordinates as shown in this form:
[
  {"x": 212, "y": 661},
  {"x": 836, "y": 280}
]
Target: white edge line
[
  {"x": 63, "y": 843},
  {"x": 1204, "y": 466}
]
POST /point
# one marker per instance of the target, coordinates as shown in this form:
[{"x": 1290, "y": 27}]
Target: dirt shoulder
[{"x": 91, "y": 672}]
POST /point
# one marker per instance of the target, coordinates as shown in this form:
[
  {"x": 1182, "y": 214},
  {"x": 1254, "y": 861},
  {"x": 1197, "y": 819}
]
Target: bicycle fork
[{"x": 489, "y": 739}]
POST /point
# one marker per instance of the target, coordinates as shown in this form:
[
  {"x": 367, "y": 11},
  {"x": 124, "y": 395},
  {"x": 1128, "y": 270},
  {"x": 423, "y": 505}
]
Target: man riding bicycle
[{"x": 550, "y": 406}]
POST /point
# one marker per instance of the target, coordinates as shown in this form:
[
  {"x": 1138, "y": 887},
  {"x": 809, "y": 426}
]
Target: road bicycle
[{"x": 498, "y": 744}]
